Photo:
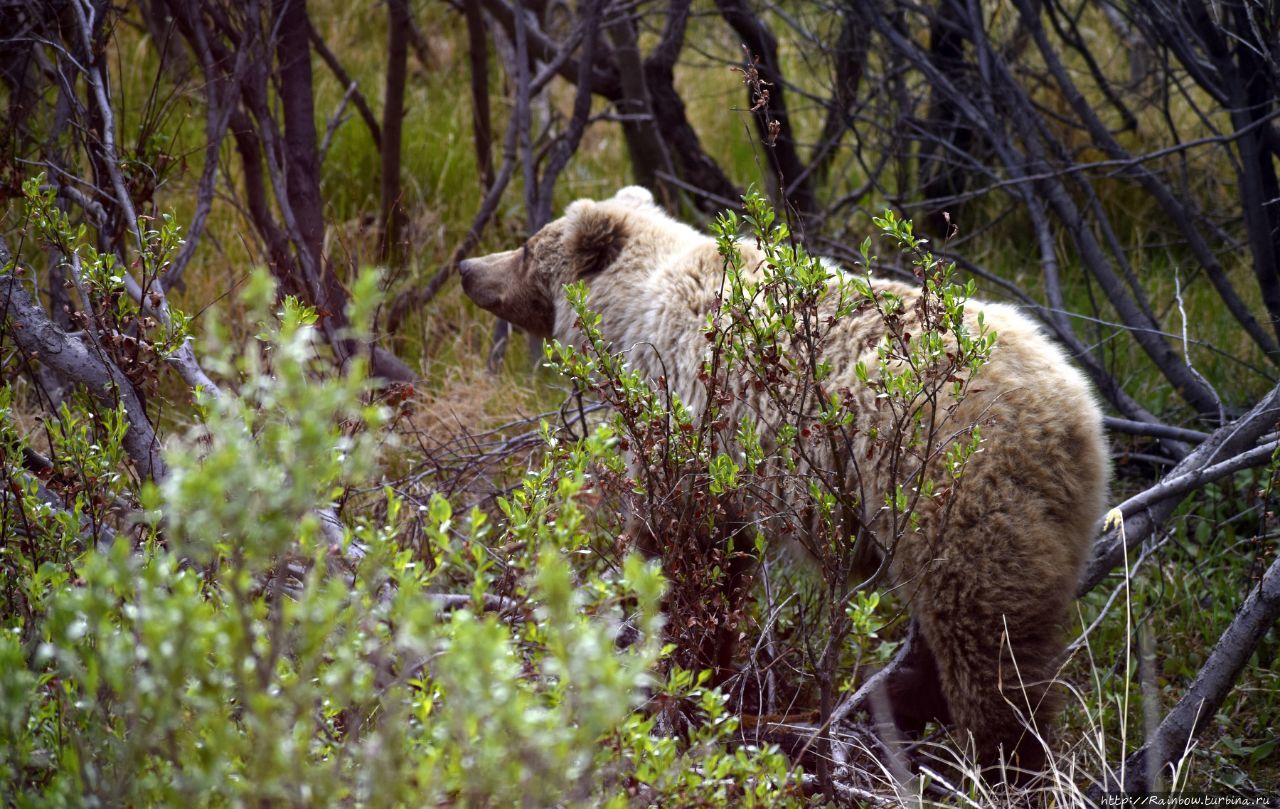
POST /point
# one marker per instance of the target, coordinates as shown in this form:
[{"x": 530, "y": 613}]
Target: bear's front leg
[{"x": 907, "y": 690}]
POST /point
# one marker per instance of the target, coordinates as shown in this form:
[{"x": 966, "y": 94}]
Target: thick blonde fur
[{"x": 991, "y": 588}]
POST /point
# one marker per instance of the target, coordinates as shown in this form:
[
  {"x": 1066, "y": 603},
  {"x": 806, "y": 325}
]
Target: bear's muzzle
[{"x": 472, "y": 273}]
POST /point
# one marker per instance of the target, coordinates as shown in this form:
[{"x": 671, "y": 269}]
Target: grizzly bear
[{"x": 989, "y": 597}]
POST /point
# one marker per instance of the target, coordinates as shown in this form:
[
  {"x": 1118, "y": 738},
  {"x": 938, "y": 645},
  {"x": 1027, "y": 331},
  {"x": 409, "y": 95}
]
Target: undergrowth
[{"x": 156, "y": 675}]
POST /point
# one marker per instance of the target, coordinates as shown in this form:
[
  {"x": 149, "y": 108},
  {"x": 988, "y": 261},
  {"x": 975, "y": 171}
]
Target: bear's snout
[
  {"x": 471, "y": 270},
  {"x": 485, "y": 281},
  {"x": 466, "y": 267}
]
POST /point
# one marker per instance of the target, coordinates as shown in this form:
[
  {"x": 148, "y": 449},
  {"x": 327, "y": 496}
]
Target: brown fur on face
[
  {"x": 518, "y": 285},
  {"x": 511, "y": 286}
]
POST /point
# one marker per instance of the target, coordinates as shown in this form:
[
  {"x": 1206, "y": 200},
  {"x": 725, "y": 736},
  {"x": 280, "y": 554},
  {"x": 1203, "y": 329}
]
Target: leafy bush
[
  {"x": 236, "y": 655},
  {"x": 209, "y": 639}
]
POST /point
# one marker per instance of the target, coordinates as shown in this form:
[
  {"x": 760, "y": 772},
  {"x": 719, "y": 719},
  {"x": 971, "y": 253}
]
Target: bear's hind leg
[{"x": 995, "y": 672}]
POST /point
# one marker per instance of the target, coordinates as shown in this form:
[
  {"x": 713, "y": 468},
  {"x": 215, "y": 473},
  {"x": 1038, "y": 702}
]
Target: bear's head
[{"x": 524, "y": 286}]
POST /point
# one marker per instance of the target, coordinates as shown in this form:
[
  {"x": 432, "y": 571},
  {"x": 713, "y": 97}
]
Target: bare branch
[
  {"x": 1174, "y": 208},
  {"x": 772, "y": 120},
  {"x": 1156, "y": 430},
  {"x": 336, "y": 120},
  {"x": 1198, "y": 707},
  {"x": 220, "y": 102},
  {"x": 604, "y": 79},
  {"x": 40, "y": 338},
  {"x": 1150, "y": 511},
  {"x": 650, "y": 159},
  {"x": 1039, "y": 146},
  {"x": 568, "y": 143},
  {"x": 696, "y": 169},
  {"x": 362, "y": 104}
]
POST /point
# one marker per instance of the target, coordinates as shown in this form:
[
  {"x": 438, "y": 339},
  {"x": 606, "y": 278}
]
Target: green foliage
[
  {"x": 1192, "y": 596},
  {"x": 234, "y": 657},
  {"x": 722, "y": 776},
  {"x": 134, "y": 338},
  {"x": 41, "y": 541}
]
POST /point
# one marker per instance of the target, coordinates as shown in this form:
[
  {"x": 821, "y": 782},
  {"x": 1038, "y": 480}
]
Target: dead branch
[
  {"x": 488, "y": 206},
  {"x": 646, "y": 148},
  {"x": 572, "y": 136},
  {"x": 1175, "y": 485},
  {"x": 335, "y": 121},
  {"x": 280, "y": 155},
  {"x": 413, "y": 299},
  {"x": 152, "y": 299},
  {"x": 340, "y": 73},
  {"x": 1217, "y": 452},
  {"x": 77, "y": 363},
  {"x": 1174, "y": 208},
  {"x": 1198, "y": 707},
  {"x": 771, "y": 116},
  {"x": 1156, "y": 430},
  {"x": 220, "y": 95},
  {"x": 604, "y": 78},
  {"x": 695, "y": 168},
  {"x": 1029, "y": 147},
  {"x": 1230, "y": 55}
]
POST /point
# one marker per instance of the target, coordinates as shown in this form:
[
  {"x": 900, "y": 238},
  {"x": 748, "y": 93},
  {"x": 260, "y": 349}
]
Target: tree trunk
[
  {"x": 695, "y": 166},
  {"x": 301, "y": 160},
  {"x": 482, "y": 127},
  {"x": 650, "y": 161},
  {"x": 789, "y": 169},
  {"x": 392, "y": 251}
]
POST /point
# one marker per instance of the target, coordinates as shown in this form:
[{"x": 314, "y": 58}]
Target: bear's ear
[
  {"x": 595, "y": 238},
  {"x": 635, "y": 194}
]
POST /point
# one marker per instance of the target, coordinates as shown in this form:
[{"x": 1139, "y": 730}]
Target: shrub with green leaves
[
  {"x": 134, "y": 340},
  {"x": 235, "y": 655},
  {"x": 224, "y": 645}
]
